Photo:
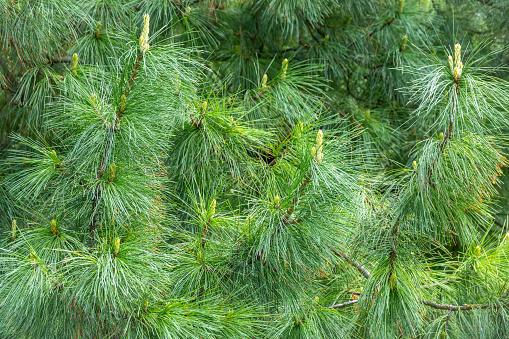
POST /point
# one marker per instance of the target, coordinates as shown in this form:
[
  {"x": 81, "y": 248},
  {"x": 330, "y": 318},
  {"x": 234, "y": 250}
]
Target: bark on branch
[
  {"x": 354, "y": 263},
  {"x": 463, "y": 307},
  {"x": 344, "y": 304}
]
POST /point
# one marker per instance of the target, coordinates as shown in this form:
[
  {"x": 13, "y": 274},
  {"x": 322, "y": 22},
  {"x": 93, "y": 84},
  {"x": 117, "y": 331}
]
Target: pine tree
[{"x": 253, "y": 169}]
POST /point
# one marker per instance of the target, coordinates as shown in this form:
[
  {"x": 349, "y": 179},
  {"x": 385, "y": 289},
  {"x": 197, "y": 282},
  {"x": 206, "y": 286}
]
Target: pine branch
[
  {"x": 425, "y": 302},
  {"x": 204, "y": 234},
  {"x": 289, "y": 211},
  {"x": 447, "y": 136},
  {"x": 354, "y": 263},
  {"x": 464, "y": 307},
  {"x": 100, "y": 116},
  {"x": 348, "y": 303},
  {"x": 107, "y": 150},
  {"x": 282, "y": 153}
]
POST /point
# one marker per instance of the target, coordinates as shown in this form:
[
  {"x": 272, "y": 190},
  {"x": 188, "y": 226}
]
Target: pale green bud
[
  {"x": 441, "y": 136},
  {"x": 204, "y": 105},
  {"x": 123, "y": 100},
  {"x": 54, "y": 228},
  {"x": 113, "y": 168},
  {"x": 264, "y": 80},
  {"x": 74, "y": 61},
  {"x": 414, "y": 164},
  {"x": 116, "y": 247},
  {"x": 319, "y": 157},
  {"x": 457, "y": 73},
  {"x": 144, "y": 46},
  {"x": 98, "y": 30},
  {"x": 319, "y": 138},
  {"x": 285, "y": 67},
  {"x": 403, "y": 45},
  {"x": 213, "y": 207},
  {"x": 276, "y": 200},
  {"x": 401, "y": 5},
  {"x": 457, "y": 54}
]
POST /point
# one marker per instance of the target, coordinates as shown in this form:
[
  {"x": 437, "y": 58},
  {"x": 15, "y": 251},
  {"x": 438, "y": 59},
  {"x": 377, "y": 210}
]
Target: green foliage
[{"x": 253, "y": 169}]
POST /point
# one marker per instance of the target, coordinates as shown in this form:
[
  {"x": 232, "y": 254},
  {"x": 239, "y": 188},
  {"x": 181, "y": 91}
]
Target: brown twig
[
  {"x": 354, "y": 263},
  {"x": 455, "y": 308},
  {"x": 348, "y": 303}
]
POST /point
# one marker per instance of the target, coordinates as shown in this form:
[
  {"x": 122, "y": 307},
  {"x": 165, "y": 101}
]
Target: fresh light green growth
[
  {"x": 478, "y": 251},
  {"x": 401, "y": 5},
  {"x": 441, "y": 136},
  {"x": 98, "y": 30},
  {"x": 319, "y": 140},
  {"x": 213, "y": 208},
  {"x": 264, "y": 80},
  {"x": 414, "y": 165},
  {"x": 14, "y": 229},
  {"x": 458, "y": 65},
  {"x": 123, "y": 100},
  {"x": 116, "y": 247},
  {"x": 93, "y": 98},
  {"x": 403, "y": 45},
  {"x": 318, "y": 149},
  {"x": 54, "y": 228},
  {"x": 457, "y": 54},
  {"x": 285, "y": 67},
  {"x": 276, "y": 200},
  {"x": 74, "y": 63},
  {"x": 144, "y": 46},
  {"x": 112, "y": 172},
  {"x": 204, "y": 106},
  {"x": 74, "y": 60}
]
